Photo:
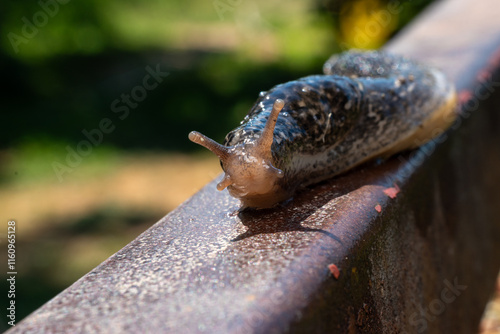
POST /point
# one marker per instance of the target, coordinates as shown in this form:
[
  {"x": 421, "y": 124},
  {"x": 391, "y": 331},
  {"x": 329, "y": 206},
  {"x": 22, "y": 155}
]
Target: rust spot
[
  {"x": 483, "y": 75},
  {"x": 464, "y": 96},
  {"x": 378, "y": 207},
  {"x": 359, "y": 321},
  {"x": 495, "y": 59},
  {"x": 351, "y": 329},
  {"x": 250, "y": 298},
  {"x": 334, "y": 270},
  {"x": 392, "y": 192}
]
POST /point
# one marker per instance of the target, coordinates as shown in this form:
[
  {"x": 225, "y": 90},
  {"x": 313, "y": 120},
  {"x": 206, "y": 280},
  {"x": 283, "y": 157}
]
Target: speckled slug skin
[{"x": 367, "y": 105}]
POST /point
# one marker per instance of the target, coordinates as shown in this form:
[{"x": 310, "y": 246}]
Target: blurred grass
[
  {"x": 64, "y": 79},
  {"x": 31, "y": 162}
]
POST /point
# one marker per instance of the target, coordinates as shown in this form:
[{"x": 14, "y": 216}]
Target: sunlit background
[{"x": 98, "y": 97}]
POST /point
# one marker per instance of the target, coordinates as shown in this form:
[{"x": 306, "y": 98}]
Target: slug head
[{"x": 249, "y": 172}]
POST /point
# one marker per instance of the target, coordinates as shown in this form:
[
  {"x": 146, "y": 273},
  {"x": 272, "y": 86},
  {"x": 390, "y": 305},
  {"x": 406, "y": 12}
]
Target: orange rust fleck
[
  {"x": 464, "y": 96},
  {"x": 250, "y": 298},
  {"x": 483, "y": 75},
  {"x": 334, "y": 270},
  {"x": 378, "y": 207},
  {"x": 392, "y": 192},
  {"x": 495, "y": 59}
]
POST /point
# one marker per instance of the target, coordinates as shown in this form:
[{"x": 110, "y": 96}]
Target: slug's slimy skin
[{"x": 367, "y": 105}]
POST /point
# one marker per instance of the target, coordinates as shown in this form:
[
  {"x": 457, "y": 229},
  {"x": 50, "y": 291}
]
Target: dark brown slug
[{"x": 366, "y": 105}]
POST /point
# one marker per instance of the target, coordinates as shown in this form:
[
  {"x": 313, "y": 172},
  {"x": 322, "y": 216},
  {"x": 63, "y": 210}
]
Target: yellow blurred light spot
[{"x": 367, "y": 24}]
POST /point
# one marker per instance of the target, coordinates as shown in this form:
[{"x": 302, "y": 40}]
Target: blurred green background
[{"x": 66, "y": 66}]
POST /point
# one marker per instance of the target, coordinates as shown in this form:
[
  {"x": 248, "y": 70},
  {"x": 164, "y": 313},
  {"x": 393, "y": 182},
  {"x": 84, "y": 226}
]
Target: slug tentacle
[
  {"x": 219, "y": 150},
  {"x": 266, "y": 139},
  {"x": 366, "y": 105}
]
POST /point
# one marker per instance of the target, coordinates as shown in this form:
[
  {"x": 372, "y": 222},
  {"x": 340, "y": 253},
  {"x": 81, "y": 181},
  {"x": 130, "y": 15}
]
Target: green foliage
[
  {"x": 86, "y": 54},
  {"x": 33, "y": 161}
]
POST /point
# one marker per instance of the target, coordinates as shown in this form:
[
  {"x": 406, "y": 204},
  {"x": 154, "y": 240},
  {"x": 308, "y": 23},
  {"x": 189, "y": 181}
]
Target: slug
[{"x": 366, "y": 105}]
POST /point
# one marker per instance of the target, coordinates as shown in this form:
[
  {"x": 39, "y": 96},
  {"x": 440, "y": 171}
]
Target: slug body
[{"x": 366, "y": 105}]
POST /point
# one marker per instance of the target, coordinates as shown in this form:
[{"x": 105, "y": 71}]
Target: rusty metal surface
[{"x": 427, "y": 262}]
